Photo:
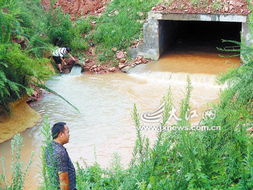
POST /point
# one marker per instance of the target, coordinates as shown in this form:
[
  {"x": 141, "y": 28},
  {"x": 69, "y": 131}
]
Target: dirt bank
[
  {"x": 21, "y": 118},
  {"x": 78, "y": 7}
]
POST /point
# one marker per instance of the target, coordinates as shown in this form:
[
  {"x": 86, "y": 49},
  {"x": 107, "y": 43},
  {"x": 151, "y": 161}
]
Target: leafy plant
[{"x": 18, "y": 71}]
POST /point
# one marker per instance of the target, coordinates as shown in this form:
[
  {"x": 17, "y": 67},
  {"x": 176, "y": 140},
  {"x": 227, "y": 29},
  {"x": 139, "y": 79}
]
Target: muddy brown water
[{"x": 104, "y": 126}]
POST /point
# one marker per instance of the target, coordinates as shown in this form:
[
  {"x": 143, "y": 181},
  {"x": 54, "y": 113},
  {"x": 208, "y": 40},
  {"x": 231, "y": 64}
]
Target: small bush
[
  {"x": 59, "y": 27},
  {"x": 64, "y": 32}
]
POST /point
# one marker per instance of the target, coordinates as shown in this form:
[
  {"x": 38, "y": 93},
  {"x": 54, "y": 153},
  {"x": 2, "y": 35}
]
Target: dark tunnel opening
[{"x": 196, "y": 35}]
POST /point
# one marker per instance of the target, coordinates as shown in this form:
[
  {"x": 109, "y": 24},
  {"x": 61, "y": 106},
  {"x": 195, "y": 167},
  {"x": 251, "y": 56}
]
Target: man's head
[
  {"x": 68, "y": 50},
  {"x": 60, "y": 132}
]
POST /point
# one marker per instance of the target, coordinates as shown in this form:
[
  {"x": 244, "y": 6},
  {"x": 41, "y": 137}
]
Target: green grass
[
  {"x": 217, "y": 5},
  {"x": 119, "y": 26}
]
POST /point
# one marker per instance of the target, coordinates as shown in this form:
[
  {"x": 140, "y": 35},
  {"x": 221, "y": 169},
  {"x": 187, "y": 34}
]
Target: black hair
[
  {"x": 57, "y": 129},
  {"x": 68, "y": 49}
]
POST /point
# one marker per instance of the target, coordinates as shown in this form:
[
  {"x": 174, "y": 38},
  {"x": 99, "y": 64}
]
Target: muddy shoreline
[{"x": 21, "y": 117}]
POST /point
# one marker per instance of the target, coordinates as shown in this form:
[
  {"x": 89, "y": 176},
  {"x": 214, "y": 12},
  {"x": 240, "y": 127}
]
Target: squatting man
[{"x": 58, "y": 57}]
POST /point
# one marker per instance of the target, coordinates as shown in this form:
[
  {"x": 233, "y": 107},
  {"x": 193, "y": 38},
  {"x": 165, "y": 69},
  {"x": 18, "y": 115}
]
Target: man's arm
[
  {"x": 64, "y": 180},
  {"x": 71, "y": 57}
]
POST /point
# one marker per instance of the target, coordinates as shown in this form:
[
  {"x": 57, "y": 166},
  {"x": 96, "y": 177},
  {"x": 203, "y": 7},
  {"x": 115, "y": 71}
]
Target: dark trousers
[{"x": 57, "y": 59}]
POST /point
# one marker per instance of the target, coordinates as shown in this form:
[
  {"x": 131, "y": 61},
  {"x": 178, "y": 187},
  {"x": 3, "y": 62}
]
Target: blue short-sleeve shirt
[{"x": 58, "y": 161}]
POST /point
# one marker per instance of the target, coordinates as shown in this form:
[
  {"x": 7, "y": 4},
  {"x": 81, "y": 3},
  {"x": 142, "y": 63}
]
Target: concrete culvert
[{"x": 166, "y": 31}]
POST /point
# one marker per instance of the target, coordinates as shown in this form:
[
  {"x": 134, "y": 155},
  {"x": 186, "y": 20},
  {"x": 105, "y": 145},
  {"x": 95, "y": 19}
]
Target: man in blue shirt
[{"x": 61, "y": 168}]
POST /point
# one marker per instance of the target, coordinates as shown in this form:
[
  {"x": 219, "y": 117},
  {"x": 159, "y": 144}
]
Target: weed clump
[{"x": 18, "y": 169}]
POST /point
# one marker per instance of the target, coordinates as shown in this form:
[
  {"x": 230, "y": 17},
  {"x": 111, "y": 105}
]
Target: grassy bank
[{"x": 119, "y": 26}]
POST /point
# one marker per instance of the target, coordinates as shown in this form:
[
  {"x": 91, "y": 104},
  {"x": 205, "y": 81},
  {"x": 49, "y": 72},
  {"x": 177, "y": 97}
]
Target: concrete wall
[
  {"x": 247, "y": 39},
  {"x": 150, "y": 46},
  {"x": 158, "y": 34},
  {"x": 246, "y": 36}
]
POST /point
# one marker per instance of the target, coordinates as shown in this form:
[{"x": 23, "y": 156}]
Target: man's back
[{"x": 60, "y": 52}]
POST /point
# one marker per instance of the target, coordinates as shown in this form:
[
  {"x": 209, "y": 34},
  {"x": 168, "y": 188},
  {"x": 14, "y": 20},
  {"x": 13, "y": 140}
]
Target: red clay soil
[
  {"x": 238, "y": 7},
  {"x": 78, "y": 8}
]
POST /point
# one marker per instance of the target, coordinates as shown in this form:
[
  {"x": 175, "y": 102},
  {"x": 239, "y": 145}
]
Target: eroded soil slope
[{"x": 78, "y": 7}]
